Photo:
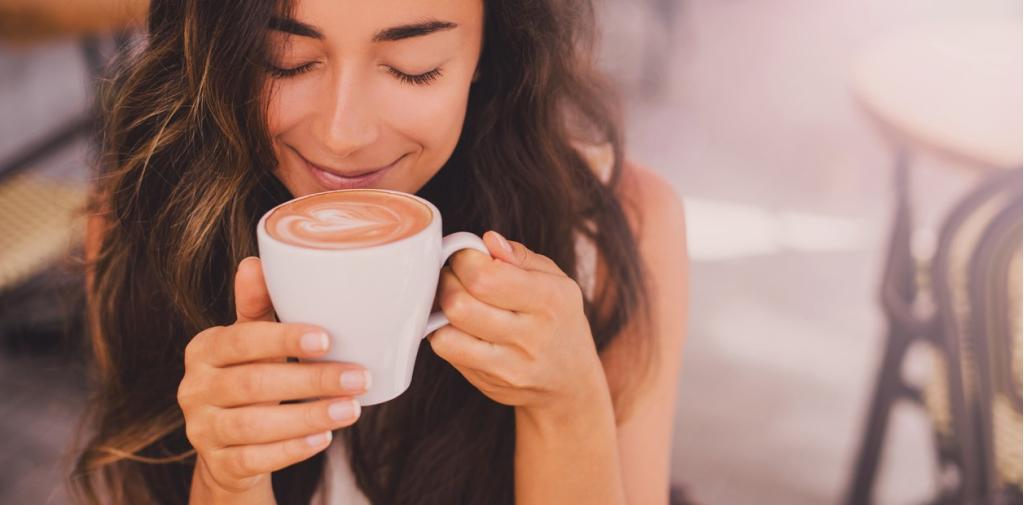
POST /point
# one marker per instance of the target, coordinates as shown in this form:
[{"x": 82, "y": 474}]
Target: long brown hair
[{"x": 186, "y": 171}]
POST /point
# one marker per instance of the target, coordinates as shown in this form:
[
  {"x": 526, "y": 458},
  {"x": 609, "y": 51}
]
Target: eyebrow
[{"x": 392, "y": 34}]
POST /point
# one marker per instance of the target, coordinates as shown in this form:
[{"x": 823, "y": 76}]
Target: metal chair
[
  {"x": 972, "y": 331},
  {"x": 912, "y": 84},
  {"x": 961, "y": 400}
]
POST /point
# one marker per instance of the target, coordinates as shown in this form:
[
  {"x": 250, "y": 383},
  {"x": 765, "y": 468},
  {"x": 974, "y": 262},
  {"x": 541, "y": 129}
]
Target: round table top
[{"x": 955, "y": 88}]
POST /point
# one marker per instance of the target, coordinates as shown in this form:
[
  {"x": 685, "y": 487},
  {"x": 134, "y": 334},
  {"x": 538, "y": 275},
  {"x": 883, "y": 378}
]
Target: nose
[{"x": 348, "y": 121}]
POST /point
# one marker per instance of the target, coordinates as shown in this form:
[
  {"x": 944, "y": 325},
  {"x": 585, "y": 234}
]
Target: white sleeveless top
[{"x": 339, "y": 483}]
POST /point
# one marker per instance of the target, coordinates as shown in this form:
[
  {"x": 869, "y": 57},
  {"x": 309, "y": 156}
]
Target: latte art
[{"x": 348, "y": 219}]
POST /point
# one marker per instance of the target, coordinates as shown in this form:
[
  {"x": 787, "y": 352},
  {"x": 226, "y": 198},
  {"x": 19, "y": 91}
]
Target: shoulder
[
  {"x": 652, "y": 204},
  {"x": 657, "y": 217},
  {"x": 642, "y": 190}
]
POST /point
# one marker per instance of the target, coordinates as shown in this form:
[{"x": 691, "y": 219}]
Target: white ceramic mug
[{"x": 373, "y": 301}]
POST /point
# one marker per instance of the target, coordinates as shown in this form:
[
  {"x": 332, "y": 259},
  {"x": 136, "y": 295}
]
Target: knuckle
[
  {"x": 195, "y": 433},
  {"x": 185, "y": 393},
  {"x": 250, "y": 383},
  {"x": 514, "y": 381},
  {"x": 520, "y": 252},
  {"x": 571, "y": 290},
  {"x": 315, "y": 418},
  {"x": 458, "y": 258},
  {"x": 245, "y": 463},
  {"x": 527, "y": 379},
  {"x": 217, "y": 427},
  {"x": 562, "y": 292},
  {"x": 478, "y": 283},
  {"x": 552, "y": 264},
  {"x": 547, "y": 298},
  {"x": 438, "y": 341},
  {"x": 235, "y": 342},
  {"x": 228, "y": 428},
  {"x": 455, "y": 305},
  {"x": 325, "y": 378},
  {"x": 192, "y": 349},
  {"x": 246, "y": 427}
]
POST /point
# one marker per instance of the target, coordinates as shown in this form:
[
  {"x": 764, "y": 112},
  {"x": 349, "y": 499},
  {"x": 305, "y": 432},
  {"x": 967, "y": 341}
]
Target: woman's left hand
[{"x": 518, "y": 331}]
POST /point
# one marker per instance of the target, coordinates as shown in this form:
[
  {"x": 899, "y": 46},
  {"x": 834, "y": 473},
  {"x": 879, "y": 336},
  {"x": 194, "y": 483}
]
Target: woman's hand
[
  {"x": 235, "y": 380},
  {"x": 518, "y": 332}
]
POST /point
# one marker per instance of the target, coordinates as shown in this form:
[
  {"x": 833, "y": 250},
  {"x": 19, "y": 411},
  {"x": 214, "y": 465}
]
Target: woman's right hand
[{"x": 235, "y": 380}]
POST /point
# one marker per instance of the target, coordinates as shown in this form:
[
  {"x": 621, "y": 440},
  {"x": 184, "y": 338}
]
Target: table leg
[{"x": 898, "y": 292}]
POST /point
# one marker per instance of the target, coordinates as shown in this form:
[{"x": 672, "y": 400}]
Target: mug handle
[{"x": 450, "y": 245}]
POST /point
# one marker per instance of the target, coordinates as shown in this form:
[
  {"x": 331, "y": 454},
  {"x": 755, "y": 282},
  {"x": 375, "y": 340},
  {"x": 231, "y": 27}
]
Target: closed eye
[
  {"x": 282, "y": 73},
  {"x": 419, "y": 79},
  {"x": 416, "y": 79}
]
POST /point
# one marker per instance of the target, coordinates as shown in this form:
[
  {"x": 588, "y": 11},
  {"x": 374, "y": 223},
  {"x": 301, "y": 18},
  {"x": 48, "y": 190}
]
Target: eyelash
[
  {"x": 419, "y": 80},
  {"x": 282, "y": 73}
]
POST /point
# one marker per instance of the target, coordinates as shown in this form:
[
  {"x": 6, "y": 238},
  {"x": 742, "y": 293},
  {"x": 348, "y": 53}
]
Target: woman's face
[{"x": 355, "y": 86}]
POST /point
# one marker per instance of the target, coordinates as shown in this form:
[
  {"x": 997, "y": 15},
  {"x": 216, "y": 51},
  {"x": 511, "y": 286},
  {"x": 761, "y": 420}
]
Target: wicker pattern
[
  {"x": 39, "y": 224},
  {"x": 1006, "y": 408},
  {"x": 982, "y": 274}
]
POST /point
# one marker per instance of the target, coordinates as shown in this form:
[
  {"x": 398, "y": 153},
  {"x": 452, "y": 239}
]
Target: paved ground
[{"x": 787, "y": 196}]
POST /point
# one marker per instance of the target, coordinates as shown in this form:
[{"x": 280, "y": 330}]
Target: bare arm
[
  {"x": 569, "y": 458},
  {"x": 581, "y": 456},
  {"x": 645, "y": 436}
]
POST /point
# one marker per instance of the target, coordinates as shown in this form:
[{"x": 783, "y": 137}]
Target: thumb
[{"x": 252, "y": 301}]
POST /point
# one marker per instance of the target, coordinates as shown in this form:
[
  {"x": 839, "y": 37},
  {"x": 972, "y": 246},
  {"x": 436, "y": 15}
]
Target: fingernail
[
  {"x": 343, "y": 410},
  {"x": 315, "y": 341},
  {"x": 504, "y": 243},
  {"x": 355, "y": 379},
  {"x": 318, "y": 439}
]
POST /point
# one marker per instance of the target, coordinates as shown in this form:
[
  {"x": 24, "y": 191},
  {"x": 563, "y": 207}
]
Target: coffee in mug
[
  {"x": 360, "y": 219},
  {"x": 364, "y": 265}
]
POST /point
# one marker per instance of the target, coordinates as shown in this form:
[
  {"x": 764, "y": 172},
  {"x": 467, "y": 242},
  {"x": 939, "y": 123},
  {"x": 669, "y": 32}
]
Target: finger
[
  {"x": 519, "y": 255},
  {"x": 476, "y": 317},
  {"x": 249, "y": 460},
  {"x": 265, "y": 424},
  {"x": 502, "y": 284},
  {"x": 252, "y": 300},
  {"x": 269, "y": 382},
  {"x": 258, "y": 341},
  {"x": 464, "y": 350}
]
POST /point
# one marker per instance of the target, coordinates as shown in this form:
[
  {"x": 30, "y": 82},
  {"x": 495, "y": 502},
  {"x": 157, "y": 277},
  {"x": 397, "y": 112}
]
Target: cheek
[
  {"x": 432, "y": 118},
  {"x": 283, "y": 114},
  {"x": 285, "y": 108}
]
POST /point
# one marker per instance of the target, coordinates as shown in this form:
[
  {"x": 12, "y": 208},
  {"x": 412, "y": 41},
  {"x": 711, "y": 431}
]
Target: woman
[{"x": 234, "y": 107}]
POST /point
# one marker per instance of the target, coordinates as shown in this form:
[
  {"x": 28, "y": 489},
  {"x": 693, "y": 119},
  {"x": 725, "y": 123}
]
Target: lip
[{"x": 332, "y": 180}]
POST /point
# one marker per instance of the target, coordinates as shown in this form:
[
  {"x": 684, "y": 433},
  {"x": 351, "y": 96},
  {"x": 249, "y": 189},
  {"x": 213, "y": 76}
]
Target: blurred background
[{"x": 852, "y": 178}]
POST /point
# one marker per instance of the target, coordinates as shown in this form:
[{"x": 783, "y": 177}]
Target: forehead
[{"x": 357, "y": 21}]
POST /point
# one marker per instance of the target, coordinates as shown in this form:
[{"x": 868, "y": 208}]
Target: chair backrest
[
  {"x": 995, "y": 303},
  {"x": 972, "y": 262}
]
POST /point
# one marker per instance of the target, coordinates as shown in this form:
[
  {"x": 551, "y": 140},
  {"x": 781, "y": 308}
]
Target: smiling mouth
[{"x": 352, "y": 175}]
